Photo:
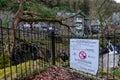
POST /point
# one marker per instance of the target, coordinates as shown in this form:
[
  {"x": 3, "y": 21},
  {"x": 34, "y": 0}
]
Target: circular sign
[{"x": 82, "y": 55}]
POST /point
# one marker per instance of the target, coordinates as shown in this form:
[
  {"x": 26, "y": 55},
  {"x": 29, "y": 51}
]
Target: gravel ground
[{"x": 57, "y": 73}]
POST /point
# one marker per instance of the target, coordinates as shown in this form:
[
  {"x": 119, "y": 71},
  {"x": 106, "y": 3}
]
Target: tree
[
  {"x": 4, "y": 3},
  {"x": 19, "y": 17},
  {"x": 102, "y": 10},
  {"x": 84, "y": 7}
]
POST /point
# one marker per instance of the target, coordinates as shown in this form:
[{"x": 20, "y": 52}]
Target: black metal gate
[{"x": 37, "y": 48}]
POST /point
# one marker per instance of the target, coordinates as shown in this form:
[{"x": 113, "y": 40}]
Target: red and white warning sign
[{"x": 82, "y": 55}]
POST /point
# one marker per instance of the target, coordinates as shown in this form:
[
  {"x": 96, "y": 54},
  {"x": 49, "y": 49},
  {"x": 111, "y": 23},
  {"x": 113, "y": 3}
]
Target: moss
[
  {"x": 117, "y": 72},
  {"x": 27, "y": 68},
  {"x": 4, "y": 61},
  {"x": 5, "y": 21}
]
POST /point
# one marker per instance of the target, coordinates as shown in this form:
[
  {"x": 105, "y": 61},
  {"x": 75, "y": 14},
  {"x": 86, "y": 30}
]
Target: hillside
[{"x": 50, "y": 7}]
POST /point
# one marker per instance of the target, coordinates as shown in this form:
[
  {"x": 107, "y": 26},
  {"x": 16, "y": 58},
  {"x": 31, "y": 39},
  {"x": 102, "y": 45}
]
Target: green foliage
[
  {"x": 27, "y": 68},
  {"x": 26, "y": 6},
  {"x": 49, "y": 10},
  {"x": 54, "y": 10},
  {"x": 4, "y": 61},
  {"x": 14, "y": 7},
  {"x": 117, "y": 72},
  {"x": 4, "y": 3},
  {"x": 67, "y": 9},
  {"x": 42, "y": 9},
  {"x": 5, "y": 21},
  {"x": 84, "y": 7},
  {"x": 45, "y": 10},
  {"x": 53, "y": 3}
]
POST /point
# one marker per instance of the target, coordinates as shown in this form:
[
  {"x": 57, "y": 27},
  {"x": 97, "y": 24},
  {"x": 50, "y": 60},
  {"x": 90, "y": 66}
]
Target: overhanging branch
[
  {"x": 43, "y": 20},
  {"x": 32, "y": 14},
  {"x": 74, "y": 15}
]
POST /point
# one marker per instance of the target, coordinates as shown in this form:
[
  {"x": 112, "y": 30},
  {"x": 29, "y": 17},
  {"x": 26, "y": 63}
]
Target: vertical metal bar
[
  {"x": 36, "y": 56},
  {"x": 19, "y": 36},
  {"x": 53, "y": 47},
  {"x": 68, "y": 46},
  {"x": 48, "y": 48},
  {"x": 45, "y": 35},
  {"x": 28, "y": 37},
  {"x": 44, "y": 32},
  {"x": 32, "y": 48},
  {"x": 63, "y": 46},
  {"x": 58, "y": 48},
  {"x": 15, "y": 59},
  {"x": 41, "y": 36},
  {"x": 108, "y": 59},
  {"x": 8, "y": 33},
  {"x": 36, "y": 33},
  {"x": 24, "y": 48},
  {"x": 14, "y": 50},
  {"x": 39, "y": 32},
  {"x": 102, "y": 42},
  {"x": 2, "y": 45},
  {"x": 114, "y": 55}
]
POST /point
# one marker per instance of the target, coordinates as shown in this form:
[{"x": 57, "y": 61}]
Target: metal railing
[{"x": 36, "y": 49}]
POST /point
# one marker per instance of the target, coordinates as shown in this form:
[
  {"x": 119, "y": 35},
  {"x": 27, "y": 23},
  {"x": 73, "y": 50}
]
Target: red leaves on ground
[{"x": 58, "y": 73}]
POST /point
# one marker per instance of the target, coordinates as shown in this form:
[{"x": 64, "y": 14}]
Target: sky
[{"x": 118, "y": 1}]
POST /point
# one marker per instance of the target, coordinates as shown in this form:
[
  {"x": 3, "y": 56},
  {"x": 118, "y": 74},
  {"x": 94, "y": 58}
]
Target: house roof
[
  {"x": 66, "y": 15},
  {"x": 69, "y": 17}
]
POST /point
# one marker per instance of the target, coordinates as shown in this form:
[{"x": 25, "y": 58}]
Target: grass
[
  {"x": 90, "y": 77},
  {"x": 5, "y": 21},
  {"x": 116, "y": 74},
  {"x": 27, "y": 69}
]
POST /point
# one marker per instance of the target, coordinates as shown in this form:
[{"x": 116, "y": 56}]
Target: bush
[
  {"x": 4, "y": 3},
  {"x": 4, "y": 60}
]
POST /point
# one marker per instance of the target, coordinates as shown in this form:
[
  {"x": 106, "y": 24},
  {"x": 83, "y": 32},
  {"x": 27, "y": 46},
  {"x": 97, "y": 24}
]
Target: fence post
[
  {"x": 53, "y": 47},
  {"x": 2, "y": 47}
]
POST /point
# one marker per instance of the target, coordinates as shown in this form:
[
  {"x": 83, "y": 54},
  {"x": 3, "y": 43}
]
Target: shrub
[
  {"x": 4, "y": 4},
  {"x": 4, "y": 61}
]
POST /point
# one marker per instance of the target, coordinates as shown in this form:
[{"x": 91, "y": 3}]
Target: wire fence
[{"x": 36, "y": 49}]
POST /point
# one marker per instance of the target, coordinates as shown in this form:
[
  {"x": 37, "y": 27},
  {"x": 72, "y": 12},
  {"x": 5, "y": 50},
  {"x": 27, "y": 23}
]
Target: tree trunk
[{"x": 15, "y": 22}]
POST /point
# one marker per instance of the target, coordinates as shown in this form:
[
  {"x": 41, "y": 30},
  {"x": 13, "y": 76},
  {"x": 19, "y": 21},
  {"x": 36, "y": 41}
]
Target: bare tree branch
[
  {"x": 74, "y": 15},
  {"x": 32, "y": 14},
  {"x": 43, "y": 20},
  {"x": 15, "y": 21}
]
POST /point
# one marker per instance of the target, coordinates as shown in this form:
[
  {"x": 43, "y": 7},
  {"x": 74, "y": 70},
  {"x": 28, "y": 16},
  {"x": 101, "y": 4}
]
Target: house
[
  {"x": 116, "y": 18},
  {"x": 95, "y": 26},
  {"x": 77, "y": 21}
]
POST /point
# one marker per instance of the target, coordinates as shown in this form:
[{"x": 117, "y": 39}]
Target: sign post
[{"x": 84, "y": 55}]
